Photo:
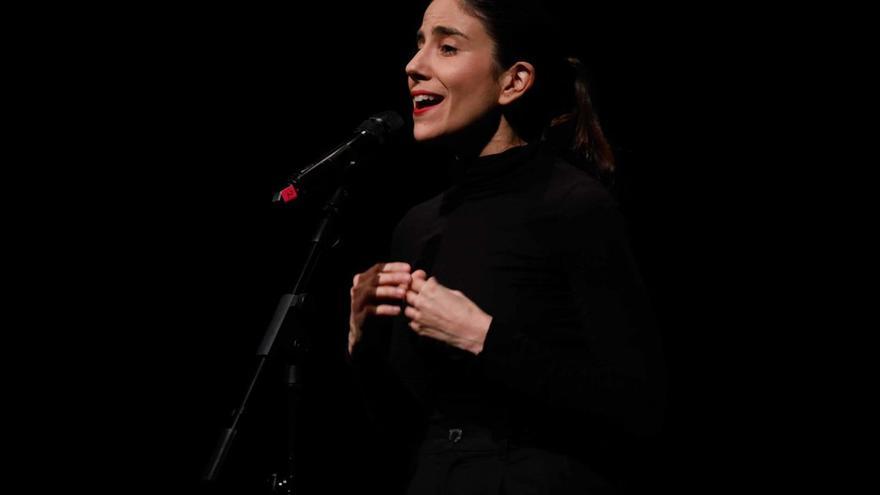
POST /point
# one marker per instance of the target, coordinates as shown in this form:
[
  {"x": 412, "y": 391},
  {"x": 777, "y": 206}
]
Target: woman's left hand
[{"x": 446, "y": 315}]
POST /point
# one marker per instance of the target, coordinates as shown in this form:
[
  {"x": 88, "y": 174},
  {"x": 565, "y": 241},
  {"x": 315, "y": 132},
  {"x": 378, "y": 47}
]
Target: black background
[{"x": 189, "y": 120}]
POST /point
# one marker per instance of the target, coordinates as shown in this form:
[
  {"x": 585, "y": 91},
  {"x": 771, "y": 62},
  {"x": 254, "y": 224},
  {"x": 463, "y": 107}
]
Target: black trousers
[{"x": 468, "y": 460}]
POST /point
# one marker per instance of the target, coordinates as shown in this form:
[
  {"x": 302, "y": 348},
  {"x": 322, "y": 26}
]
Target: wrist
[{"x": 482, "y": 330}]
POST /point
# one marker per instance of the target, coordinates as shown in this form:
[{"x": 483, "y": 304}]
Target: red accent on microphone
[{"x": 288, "y": 194}]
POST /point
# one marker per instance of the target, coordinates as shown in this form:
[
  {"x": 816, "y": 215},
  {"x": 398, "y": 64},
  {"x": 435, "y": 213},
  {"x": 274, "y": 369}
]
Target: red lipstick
[{"x": 420, "y": 111}]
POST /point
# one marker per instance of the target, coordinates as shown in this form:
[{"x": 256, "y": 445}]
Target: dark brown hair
[{"x": 557, "y": 108}]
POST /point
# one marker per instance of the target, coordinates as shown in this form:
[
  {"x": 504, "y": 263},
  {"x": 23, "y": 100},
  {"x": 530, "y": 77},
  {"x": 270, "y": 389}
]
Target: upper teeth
[{"x": 421, "y": 98}]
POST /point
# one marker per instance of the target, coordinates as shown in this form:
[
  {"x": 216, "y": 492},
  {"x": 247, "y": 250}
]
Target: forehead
[{"x": 449, "y": 13}]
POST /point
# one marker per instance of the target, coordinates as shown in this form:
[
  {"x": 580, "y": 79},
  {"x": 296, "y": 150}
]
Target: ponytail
[
  {"x": 579, "y": 131},
  {"x": 558, "y": 107}
]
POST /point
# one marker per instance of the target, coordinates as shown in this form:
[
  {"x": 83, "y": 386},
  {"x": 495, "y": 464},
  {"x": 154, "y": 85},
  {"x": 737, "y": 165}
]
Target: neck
[
  {"x": 503, "y": 139},
  {"x": 490, "y": 135}
]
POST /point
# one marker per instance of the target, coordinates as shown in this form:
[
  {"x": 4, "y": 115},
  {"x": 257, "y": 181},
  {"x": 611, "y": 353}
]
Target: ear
[{"x": 516, "y": 81}]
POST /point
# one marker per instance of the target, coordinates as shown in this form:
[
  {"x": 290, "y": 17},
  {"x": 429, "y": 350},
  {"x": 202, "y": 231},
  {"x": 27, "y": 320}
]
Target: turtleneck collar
[
  {"x": 485, "y": 175},
  {"x": 482, "y": 170}
]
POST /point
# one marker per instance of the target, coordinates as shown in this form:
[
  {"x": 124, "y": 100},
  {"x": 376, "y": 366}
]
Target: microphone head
[{"x": 382, "y": 125}]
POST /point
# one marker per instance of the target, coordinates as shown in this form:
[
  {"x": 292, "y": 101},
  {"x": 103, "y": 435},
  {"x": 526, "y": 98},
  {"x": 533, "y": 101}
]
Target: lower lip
[{"x": 420, "y": 111}]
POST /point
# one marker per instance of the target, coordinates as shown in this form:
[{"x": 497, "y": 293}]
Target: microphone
[{"x": 372, "y": 133}]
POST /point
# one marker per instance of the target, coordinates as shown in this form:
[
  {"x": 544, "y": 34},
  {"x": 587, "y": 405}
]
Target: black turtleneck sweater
[{"x": 572, "y": 351}]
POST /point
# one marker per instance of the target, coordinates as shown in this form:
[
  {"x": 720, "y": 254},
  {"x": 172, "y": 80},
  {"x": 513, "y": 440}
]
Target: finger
[
  {"x": 393, "y": 292},
  {"x": 412, "y": 313},
  {"x": 387, "y": 310},
  {"x": 396, "y": 267},
  {"x": 417, "y": 284},
  {"x": 427, "y": 331},
  {"x": 354, "y": 281},
  {"x": 420, "y": 273},
  {"x": 411, "y": 297},
  {"x": 396, "y": 278}
]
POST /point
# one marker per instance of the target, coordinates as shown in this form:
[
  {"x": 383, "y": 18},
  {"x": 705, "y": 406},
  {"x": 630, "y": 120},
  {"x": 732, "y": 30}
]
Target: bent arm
[{"x": 618, "y": 372}]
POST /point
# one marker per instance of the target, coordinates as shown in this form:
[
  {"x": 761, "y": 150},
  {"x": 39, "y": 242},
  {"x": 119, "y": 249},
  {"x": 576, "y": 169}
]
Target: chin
[{"x": 421, "y": 135}]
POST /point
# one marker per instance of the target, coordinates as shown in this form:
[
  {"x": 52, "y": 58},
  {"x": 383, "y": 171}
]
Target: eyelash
[{"x": 443, "y": 48}]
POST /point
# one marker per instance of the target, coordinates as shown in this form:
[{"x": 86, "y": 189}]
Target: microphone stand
[{"x": 324, "y": 237}]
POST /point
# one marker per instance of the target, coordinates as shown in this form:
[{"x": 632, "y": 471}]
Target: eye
[{"x": 448, "y": 49}]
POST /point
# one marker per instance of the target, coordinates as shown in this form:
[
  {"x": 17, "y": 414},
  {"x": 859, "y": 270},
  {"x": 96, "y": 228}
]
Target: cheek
[
  {"x": 474, "y": 92},
  {"x": 471, "y": 103}
]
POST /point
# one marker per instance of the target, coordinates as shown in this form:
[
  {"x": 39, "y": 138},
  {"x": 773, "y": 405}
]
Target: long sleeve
[{"x": 619, "y": 373}]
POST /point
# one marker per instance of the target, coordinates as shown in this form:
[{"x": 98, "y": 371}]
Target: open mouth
[{"x": 426, "y": 101}]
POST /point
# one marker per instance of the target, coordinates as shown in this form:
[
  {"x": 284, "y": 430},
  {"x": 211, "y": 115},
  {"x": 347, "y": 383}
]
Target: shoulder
[
  {"x": 587, "y": 213},
  {"x": 574, "y": 191}
]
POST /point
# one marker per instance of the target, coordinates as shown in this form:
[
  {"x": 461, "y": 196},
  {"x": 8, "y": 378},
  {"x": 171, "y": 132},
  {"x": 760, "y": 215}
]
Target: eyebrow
[{"x": 443, "y": 31}]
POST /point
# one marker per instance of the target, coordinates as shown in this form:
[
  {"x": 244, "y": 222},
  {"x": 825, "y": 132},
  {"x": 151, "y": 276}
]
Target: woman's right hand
[{"x": 383, "y": 283}]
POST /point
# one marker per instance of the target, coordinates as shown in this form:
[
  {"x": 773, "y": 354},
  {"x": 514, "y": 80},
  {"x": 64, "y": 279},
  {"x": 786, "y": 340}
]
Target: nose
[{"x": 416, "y": 69}]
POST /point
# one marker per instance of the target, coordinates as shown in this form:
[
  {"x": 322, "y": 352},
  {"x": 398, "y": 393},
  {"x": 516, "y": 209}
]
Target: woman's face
[{"x": 455, "y": 65}]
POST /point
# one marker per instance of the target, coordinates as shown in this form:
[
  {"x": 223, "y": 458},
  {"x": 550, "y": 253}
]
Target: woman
[{"x": 519, "y": 324}]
